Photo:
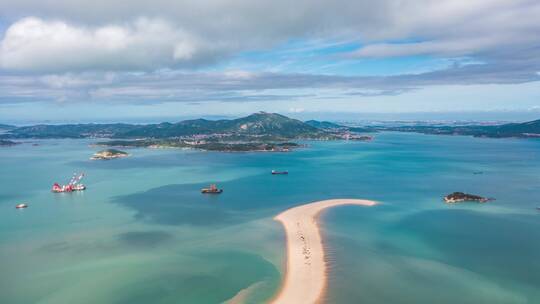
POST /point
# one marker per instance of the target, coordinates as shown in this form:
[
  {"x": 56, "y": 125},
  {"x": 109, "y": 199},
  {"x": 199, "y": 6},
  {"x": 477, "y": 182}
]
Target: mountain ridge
[
  {"x": 257, "y": 124},
  {"x": 260, "y": 126}
]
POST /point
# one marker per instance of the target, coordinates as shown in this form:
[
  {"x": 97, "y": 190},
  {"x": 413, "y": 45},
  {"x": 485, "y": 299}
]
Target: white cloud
[
  {"x": 458, "y": 47},
  {"x": 36, "y": 44},
  {"x": 239, "y": 74},
  {"x": 106, "y": 34},
  {"x": 489, "y": 28},
  {"x": 108, "y": 51}
]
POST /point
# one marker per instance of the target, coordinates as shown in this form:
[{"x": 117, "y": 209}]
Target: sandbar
[{"x": 305, "y": 273}]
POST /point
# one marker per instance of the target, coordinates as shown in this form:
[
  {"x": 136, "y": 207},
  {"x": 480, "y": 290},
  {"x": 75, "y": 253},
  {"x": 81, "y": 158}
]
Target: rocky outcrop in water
[
  {"x": 109, "y": 154},
  {"x": 458, "y": 197}
]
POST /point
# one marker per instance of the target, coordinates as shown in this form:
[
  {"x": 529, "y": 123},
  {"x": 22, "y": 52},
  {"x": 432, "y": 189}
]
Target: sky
[{"x": 102, "y": 60}]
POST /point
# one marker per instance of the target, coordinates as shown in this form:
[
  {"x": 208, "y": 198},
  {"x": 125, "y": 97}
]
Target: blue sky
[
  {"x": 74, "y": 60},
  {"x": 331, "y": 57}
]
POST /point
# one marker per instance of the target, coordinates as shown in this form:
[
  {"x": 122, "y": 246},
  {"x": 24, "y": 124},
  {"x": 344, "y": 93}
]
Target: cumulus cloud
[
  {"x": 154, "y": 51},
  {"x": 166, "y": 33},
  {"x": 36, "y": 44}
]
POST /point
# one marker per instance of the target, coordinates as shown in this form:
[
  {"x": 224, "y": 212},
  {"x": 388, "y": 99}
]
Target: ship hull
[{"x": 211, "y": 192}]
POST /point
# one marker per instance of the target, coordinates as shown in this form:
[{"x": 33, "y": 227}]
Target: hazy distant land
[
  {"x": 4, "y": 142},
  {"x": 529, "y": 129}
]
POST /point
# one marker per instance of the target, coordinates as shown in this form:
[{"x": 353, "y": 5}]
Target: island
[
  {"x": 258, "y": 132},
  {"x": 458, "y": 197},
  {"x": 204, "y": 145},
  {"x": 108, "y": 154},
  {"x": 530, "y": 129},
  {"x": 263, "y": 127}
]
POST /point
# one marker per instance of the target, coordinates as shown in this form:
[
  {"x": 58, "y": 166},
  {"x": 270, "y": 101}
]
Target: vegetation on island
[
  {"x": 204, "y": 145},
  {"x": 261, "y": 127},
  {"x": 529, "y": 129},
  {"x": 257, "y": 132},
  {"x": 109, "y": 154}
]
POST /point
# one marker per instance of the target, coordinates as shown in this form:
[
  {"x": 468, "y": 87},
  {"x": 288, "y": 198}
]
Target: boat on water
[
  {"x": 73, "y": 185},
  {"x": 213, "y": 189},
  {"x": 21, "y": 206},
  {"x": 274, "y": 172}
]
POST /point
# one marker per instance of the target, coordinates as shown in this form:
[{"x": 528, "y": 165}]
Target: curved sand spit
[{"x": 305, "y": 276}]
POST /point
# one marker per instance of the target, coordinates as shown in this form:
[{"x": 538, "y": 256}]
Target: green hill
[
  {"x": 267, "y": 125},
  {"x": 524, "y": 130},
  {"x": 258, "y": 124},
  {"x": 70, "y": 131}
]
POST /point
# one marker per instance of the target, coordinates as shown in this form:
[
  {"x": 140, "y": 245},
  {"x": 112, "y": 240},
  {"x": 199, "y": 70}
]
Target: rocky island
[
  {"x": 108, "y": 154},
  {"x": 458, "y": 197}
]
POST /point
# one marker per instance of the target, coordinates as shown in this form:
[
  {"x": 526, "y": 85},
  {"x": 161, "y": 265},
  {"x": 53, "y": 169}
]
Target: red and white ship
[{"x": 73, "y": 185}]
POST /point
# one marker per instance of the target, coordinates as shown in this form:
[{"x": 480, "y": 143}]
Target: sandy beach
[{"x": 305, "y": 275}]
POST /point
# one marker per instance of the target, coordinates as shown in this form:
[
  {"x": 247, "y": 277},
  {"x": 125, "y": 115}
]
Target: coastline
[{"x": 306, "y": 272}]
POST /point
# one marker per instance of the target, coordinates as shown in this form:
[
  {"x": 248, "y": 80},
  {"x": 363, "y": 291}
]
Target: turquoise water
[{"x": 142, "y": 232}]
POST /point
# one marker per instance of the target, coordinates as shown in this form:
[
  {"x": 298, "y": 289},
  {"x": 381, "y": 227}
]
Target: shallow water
[{"x": 142, "y": 232}]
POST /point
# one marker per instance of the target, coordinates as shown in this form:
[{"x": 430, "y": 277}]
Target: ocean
[{"x": 143, "y": 233}]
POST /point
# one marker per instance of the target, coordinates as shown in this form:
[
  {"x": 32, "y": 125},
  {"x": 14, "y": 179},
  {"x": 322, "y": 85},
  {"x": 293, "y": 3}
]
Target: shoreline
[{"x": 305, "y": 277}]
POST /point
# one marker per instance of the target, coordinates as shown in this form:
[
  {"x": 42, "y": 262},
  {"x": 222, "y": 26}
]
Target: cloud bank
[
  {"x": 165, "y": 50},
  {"x": 35, "y": 44}
]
